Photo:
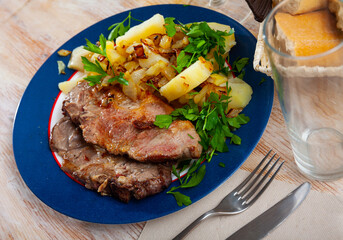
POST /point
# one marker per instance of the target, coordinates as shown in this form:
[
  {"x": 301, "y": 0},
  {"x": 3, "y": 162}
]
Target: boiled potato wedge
[
  {"x": 154, "y": 25},
  {"x": 66, "y": 86},
  {"x": 240, "y": 93},
  {"x": 187, "y": 80},
  {"x": 75, "y": 61},
  {"x": 218, "y": 79}
]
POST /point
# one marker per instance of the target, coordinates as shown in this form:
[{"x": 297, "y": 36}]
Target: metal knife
[{"x": 262, "y": 225}]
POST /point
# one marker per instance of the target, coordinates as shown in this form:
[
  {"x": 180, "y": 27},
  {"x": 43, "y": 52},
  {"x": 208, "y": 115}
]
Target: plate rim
[{"x": 168, "y": 212}]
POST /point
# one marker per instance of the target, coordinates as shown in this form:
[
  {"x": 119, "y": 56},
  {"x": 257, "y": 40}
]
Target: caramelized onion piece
[{"x": 139, "y": 51}]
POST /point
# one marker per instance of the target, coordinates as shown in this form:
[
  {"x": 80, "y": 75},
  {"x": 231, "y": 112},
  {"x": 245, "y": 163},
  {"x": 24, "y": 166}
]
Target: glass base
[
  {"x": 319, "y": 153},
  {"x": 332, "y": 176}
]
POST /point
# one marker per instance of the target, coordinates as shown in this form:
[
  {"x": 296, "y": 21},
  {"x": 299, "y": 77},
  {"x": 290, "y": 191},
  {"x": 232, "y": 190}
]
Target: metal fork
[{"x": 239, "y": 199}]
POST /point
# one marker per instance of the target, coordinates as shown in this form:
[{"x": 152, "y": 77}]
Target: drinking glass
[
  {"x": 216, "y": 3},
  {"x": 310, "y": 91}
]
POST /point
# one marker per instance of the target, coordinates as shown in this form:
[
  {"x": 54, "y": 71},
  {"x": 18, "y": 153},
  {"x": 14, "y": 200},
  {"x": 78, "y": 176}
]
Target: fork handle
[{"x": 182, "y": 234}]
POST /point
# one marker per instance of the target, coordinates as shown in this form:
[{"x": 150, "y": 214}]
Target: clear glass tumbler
[
  {"x": 216, "y": 3},
  {"x": 310, "y": 91}
]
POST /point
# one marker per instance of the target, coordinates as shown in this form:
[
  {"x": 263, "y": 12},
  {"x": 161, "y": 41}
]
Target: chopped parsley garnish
[
  {"x": 170, "y": 26},
  {"x": 93, "y": 67},
  {"x": 202, "y": 39},
  {"x": 150, "y": 84},
  {"x": 213, "y": 127},
  {"x": 210, "y": 121},
  {"x": 180, "y": 198},
  {"x": 119, "y": 29},
  {"x": 96, "y": 67},
  {"x": 194, "y": 176},
  {"x": 163, "y": 121},
  {"x": 239, "y": 64},
  {"x": 119, "y": 78},
  {"x": 96, "y": 49}
]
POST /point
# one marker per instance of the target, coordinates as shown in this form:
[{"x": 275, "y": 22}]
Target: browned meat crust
[
  {"x": 109, "y": 119},
  {"x": 105, "y": 173}
]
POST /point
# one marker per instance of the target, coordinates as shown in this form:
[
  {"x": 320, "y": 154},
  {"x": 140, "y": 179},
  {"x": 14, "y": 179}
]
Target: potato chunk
[
  {"x": 113, "y": 55},
  {"x": 75, "y": 61},
  {"x": 187, "y": 80},
  {"x": 240, "y": 93},
  {"x": 154, "y": 25},
  {"x": 66, "y": 86}
]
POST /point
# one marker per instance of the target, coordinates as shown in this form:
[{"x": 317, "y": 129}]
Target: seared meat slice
[
  {"x": 109, "y": 119},
  {"x": 105, "y": 173}
]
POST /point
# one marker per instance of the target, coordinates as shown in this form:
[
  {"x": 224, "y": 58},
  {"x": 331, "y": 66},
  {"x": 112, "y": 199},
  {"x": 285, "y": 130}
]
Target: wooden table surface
[{"x": 30, "y": 31}]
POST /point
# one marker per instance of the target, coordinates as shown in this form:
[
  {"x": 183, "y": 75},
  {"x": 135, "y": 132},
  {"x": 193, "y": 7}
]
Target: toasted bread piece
[
  {"x": 307, "y": 34},
  {"x": 303, "y": 6},
  {"x": 336, "y": 7}
]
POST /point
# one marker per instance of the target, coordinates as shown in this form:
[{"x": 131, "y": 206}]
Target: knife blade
[{"x": 262, "y": 225}]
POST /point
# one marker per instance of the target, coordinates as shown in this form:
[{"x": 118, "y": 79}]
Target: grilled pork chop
[
  {"x": 109, "y": 119},
  {"x": 105, "y": 173}
]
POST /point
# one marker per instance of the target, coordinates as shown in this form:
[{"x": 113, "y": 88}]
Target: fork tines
[{"x": 248, "y": 188}]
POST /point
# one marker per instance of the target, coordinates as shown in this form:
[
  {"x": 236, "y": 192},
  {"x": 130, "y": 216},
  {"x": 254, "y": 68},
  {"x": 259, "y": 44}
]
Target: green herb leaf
[
  {"x": 241, "y": 75},
  {"x": 163, "y": 121},
  {"x": 236, "y": 140},
  {"x": 237, "y": 121},
  {"x": 119, "y": 29},
  {"x": 242, "y": 119},
  {"x": 92, "y": 47},
  {"x": 234, "y": 122},
  {"x": 119, "y": 78},
  {"x": 93, "y": 80},
  {"x": 196, "y": 178},
  {"x": 182, "y": 61},
  {"x": 114, "y": 33},
  {"x": 201, "y": 40},
  {"x": 221, "y": 63},
  {"x": 239, "y": 64},
  {"x": 212, "y": 120},
  {"x": 152, "y": 85},
  {"x": 93, "y": 67},
  {"x": 221, "y": 164},
  {"x": 175, "y": 172},
  {"x": 218, "y": 141},
  {"x": 181, "y": 199},
  {"x": 102, "y": 41},
  {"x": 183, "y": 164},
  {"x": 170, "y": 26},
  {"x": 195, "y": 32}
]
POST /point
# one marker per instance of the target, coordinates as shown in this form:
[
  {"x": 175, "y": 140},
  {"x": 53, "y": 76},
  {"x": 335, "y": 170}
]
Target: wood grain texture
[{"x": 32, "y": 30}]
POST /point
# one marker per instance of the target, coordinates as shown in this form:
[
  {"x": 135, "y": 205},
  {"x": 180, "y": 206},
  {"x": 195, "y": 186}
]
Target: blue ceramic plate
[{"x": 52, "y": 186}]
